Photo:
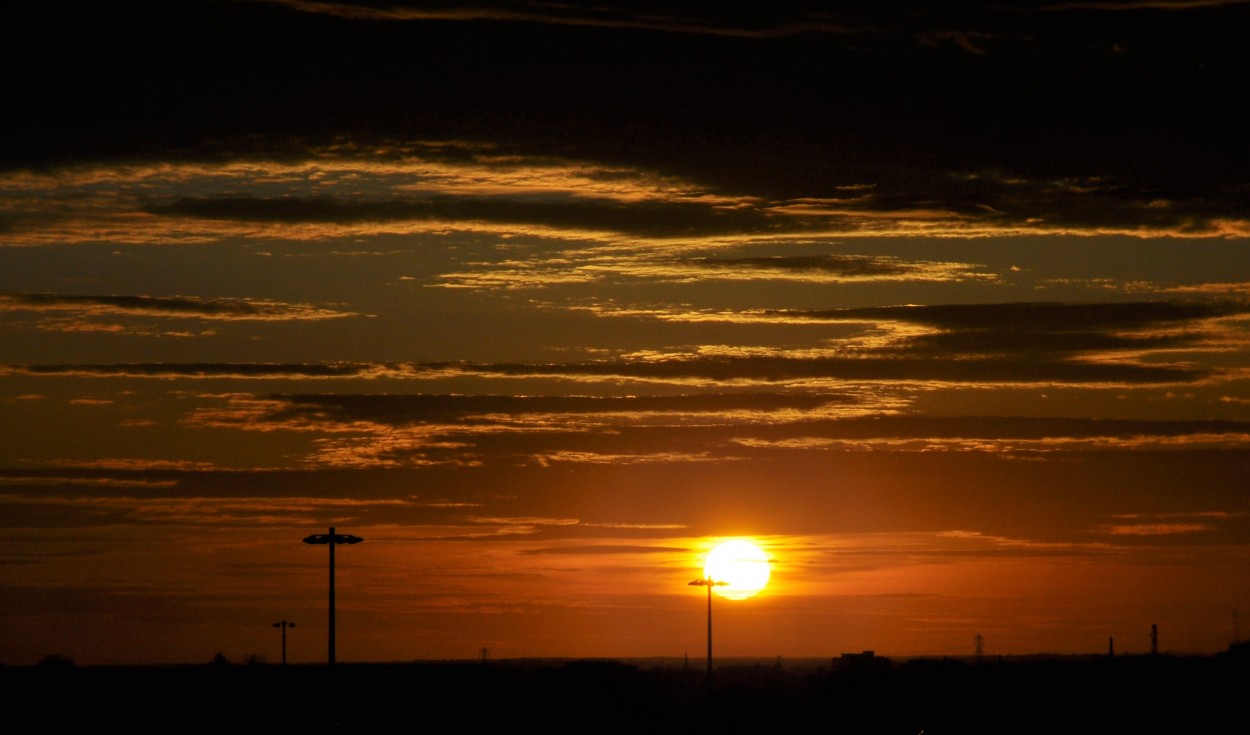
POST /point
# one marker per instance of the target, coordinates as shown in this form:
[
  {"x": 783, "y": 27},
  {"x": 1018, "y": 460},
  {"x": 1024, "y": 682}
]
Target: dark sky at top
[{"x": 934, "y": 103}]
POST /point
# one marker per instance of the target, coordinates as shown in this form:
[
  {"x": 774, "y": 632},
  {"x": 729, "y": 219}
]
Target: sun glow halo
[{"x": 740, "y": 563}]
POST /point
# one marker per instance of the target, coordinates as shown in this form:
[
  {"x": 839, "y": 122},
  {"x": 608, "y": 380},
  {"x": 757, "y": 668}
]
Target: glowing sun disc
[{"x": 742, "y": 564}]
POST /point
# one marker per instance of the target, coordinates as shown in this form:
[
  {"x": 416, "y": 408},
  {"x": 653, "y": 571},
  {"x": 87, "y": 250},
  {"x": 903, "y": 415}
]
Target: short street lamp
[
  {"x": 284, "y": 624},
  {"x": 332, "y": 539},
  {"x": 709, "y": 583}
]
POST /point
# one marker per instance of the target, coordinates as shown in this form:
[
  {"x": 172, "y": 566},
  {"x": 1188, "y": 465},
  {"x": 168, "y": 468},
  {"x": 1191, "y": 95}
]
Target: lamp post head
[
  {"x": 709, "y": 582},
  {"x": 337, "y": 538}
]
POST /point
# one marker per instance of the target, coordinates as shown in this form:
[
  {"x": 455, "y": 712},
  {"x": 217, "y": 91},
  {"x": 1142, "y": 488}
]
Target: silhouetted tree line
[{"x": 994, "y": 695}]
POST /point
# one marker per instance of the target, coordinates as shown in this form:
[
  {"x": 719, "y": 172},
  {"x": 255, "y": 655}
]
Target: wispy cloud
[
  {"x": 397, "y": 431},
  {"x": 678, "y": 18},
  {"x": 1145, "y": 5},
  {"x": 188, "y": 510},
  {"x": 201, "y": 370},
  {"x": 669, "y": 263},
  {"x": 1025, "y": 343},
  {"x": 350, "y": 192},
  {"x": 178, "y": 307},
  {"x": 1156, "y": 529},
  {"x": 744, "y": 371},
  {"x": 840, "y": 267}
]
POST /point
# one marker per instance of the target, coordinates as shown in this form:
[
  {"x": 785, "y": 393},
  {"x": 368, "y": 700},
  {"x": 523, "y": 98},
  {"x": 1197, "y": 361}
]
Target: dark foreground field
[{"x": 1127, "y": 694}]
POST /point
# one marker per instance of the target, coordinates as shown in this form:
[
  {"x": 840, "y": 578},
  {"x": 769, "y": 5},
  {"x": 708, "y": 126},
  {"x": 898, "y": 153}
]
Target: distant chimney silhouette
[
  {"x": 1154, "y": 639},
  {"x": 979, "y": 643},
  {"x": 1111, "y": 646}
]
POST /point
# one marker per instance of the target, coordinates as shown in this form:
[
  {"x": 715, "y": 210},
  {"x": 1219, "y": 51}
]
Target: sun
[{"x": 742, "y": 564}]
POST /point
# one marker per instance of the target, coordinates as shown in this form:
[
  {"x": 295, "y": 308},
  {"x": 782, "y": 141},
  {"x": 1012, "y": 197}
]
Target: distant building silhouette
[
  {"x": 56, "y": 661},
  {"x": 867, "y": 661},
  {"x": 1154, "y": 639}
]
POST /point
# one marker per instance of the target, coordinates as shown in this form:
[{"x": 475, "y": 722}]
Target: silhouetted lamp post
[
  {"x": 709, "y": 583},
  {"x": 332, "y": 539},
  {"x": 284, "y": 624}
]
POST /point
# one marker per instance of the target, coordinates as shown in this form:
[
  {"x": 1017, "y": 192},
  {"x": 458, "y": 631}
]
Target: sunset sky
[{"x": 947, "y": 307}]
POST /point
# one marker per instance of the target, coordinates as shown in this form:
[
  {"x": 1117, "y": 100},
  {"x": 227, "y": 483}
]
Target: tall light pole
[
  {"x": 284, "y": 624},
  {"x": 709, "y": 583},
  {"x": 332, "y": 539}
]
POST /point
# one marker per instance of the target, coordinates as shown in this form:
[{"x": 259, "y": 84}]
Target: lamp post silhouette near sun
[
  {"x": 284, "y": 624},
  {"x": 332, "y": 539},
  {"x": 709, "y": 583},
  {"x": 741, "y": 569}
]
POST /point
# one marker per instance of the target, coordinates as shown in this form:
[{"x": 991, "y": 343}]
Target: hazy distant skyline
[{"x": 945, "y": 306}]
